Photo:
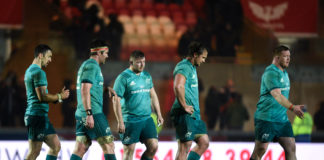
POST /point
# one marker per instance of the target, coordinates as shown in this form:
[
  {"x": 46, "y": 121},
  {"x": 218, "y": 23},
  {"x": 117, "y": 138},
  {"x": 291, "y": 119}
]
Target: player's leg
[
  {"x": 259, "y": 149},
  {"x": 149, "y": 137},
  {"x": 82, "y": 145},
  {"x": 183, "y": 150},
  {"x": 52, "y": 140},
  {"x": 286, "y": 139},
  {"x": 128, "y": 151},
  {"x": 102, "y": 134},
  {"x": 82, "y": 140},
  {"x": 185, "y": 133},
  {"x": 202, "y": 145},
  {"x": 264, "y": 134},
  {"x": 54, "y": 144},
  {"x": 36, "y": 135},
  {"x": 108, "y": 147},
  {"x": 289, "y": 145},
  {"x": 34, "y": 149},
  {"x": 151, "y": 148}
]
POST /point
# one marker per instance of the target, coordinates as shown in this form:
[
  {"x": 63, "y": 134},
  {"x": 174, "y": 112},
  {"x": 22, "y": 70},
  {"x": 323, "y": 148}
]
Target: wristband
[
  {"x": 291, "y": 107},
  {"x": 59, "y": 98},
  {"x": 89, "y": 112}
]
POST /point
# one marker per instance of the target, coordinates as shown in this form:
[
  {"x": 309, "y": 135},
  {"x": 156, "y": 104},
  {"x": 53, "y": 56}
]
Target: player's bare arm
[
  {"x": 86, "y": 100},
  {"x": 156, "y": 105},
  {"x": 282, "y": 100},
  {"x": 47, "y": 97},
  {"x": 118, "y": 114},
  {"x": 111, "y": 92},
  {"x": 179, "y": 90}
]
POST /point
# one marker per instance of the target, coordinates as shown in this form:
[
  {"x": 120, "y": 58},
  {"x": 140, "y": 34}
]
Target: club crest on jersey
[
  {"x": 40, "y": 136},
  {"x": 132, "y": 83},
  {"x": 148, "y": 80},
  {"x": 193, "y": 76}
]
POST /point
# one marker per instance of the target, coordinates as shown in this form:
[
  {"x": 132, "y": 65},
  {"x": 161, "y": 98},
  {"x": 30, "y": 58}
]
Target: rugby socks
[
  {"x": 110, "y": 157},
  {"x": 75, "y": 157},
  {"x": 193, "y": 156},
  {"x": 50, "y": 157},
  {"x": 145, "y": 158}
]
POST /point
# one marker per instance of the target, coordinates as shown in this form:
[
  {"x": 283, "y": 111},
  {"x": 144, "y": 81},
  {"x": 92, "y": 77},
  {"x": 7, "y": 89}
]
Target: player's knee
[
  {"x": 153, "y": 148},
  {"x": 83, "y": 144},
  {"x": 203, "y": 143},
  {"x": 261, "y": 150}
]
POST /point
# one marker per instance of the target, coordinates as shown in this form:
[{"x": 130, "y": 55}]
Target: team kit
[{"x": 135, "y": 100}]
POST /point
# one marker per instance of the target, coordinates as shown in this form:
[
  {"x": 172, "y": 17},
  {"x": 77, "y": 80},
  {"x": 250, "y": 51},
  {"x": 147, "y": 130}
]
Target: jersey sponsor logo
[
  {"x": 132, "y": 83},
  {"x": 140, "y": 91},
  {"x": 142, "y": 86},
  {"x": 194, "y": 85}
]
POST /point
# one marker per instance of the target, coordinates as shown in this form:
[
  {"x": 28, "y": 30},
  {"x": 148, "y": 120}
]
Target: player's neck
[
  {"x": 132, "y": 69},
  {"x": 95, "y": 57},
  {"x": 191, "y": 60},
  {"x": 278, "y": 65},
  {"x": 37, "y": 62}
]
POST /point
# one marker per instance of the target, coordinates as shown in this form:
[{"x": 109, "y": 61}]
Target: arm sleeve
[
  {"x": 271, "y": 80},
  {"x": 40, "y": 79},
  {"x": 89, "y": 74},
  {"x": 120, "y": 86},
  {"x": 151, "y": 82},
  {"x": 181, "y": 70}
]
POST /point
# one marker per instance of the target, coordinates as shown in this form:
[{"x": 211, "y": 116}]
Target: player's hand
[
  {"x": 65, "y": 93},
  {"x": 111, "y": 92},
  {"x": 121, "y": 128},
  {"x": 189, "y": 109},
  {"x": 89, "y": 121},
  {"x": 160, "y": 120},
  {"x": 298, "y": 110}
]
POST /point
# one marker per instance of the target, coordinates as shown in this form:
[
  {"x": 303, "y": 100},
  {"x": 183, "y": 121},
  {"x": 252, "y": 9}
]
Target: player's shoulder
[
  {"x": 147, "y": 74},
  {"x": 125, "y": 74},
  {"x": 183, "y": 64},
  {"x": 91, "y": 64},
  {"x": 271, "y": 71}
]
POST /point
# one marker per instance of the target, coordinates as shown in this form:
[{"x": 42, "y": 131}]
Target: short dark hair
[
  {"x": 277, "y": 51},
  {"x": 136, "y": 54},
  {"x": 97, "y": 43},
  {"x": 41, "y": 49},
  {"x": 195, "y": 47}
]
